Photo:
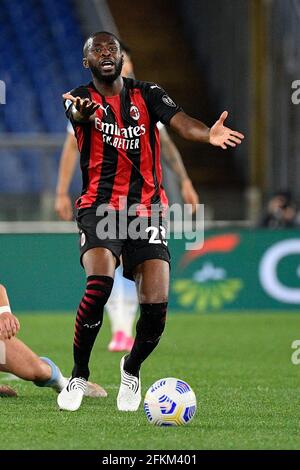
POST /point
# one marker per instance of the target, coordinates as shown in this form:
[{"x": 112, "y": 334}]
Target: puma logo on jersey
[
  {"x": 104, "y": 108},
  {"x": 154, "y": 86}
]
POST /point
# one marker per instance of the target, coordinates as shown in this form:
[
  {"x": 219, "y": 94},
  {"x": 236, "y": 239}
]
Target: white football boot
[
  {"x": 71, "y": 396},
  {"x": 129, "y": 396}
]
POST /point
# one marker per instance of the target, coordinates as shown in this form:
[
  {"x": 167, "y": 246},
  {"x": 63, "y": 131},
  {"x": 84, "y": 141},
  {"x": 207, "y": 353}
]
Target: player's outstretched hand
[
  {"x": 9, "y": 325},
  {"x": 85, "y": 107},
  {"x": 222, "y": 136}
]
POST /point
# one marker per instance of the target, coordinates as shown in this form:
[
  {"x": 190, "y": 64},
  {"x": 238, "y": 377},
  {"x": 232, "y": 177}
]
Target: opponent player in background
[
  {"x": 115, "y": 119},
  {"x": 16, "y": 358},
  {"x": 122, "y": 304}
]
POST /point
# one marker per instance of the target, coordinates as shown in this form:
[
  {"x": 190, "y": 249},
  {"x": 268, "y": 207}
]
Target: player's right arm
[
  {"x": 79, "y": 110},
  {"x": 67, "y": 165},
  {"x": 9, "y": 324}
]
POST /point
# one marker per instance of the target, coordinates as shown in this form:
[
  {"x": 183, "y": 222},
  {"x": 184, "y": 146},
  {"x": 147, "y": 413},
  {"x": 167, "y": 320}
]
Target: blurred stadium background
[{"x": 238, "y": 55}]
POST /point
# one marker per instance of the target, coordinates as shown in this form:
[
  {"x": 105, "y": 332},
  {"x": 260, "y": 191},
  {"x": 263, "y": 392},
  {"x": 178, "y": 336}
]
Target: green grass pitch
[{"x": 239, "y": 366}]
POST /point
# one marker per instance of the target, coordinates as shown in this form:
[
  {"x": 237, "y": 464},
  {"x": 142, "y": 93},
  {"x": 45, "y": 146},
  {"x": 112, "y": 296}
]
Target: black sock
[
  {"x": 149, "y": 329},
  {"x": 88, "y": 321}
]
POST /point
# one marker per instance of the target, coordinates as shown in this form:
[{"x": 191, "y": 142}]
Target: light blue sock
[{"x": 55, "y": 372}]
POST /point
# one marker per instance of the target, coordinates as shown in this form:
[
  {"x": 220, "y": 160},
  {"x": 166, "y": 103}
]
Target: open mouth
[{"x": 107, "y": 65}]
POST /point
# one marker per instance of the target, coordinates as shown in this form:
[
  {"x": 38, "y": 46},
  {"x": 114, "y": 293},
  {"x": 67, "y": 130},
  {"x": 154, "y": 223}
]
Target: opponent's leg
[
  {"x": 152, "y": 279},
  {"x": 24, "y": 363},
  {"x": 21, "y": 361},
  {"x": 131, "y": 304},
  {"x": 121, "y": 308},
  {"x": 99, "y": 265},
  {"x": 116, "y": 313}
]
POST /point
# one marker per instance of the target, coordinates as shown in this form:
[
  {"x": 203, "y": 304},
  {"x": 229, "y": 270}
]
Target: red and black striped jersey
[{"x": 120, "y": 149}]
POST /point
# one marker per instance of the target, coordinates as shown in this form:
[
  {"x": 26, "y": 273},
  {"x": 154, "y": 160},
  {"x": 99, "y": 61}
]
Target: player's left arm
[
  {"x": 218, "y": 135},
  {"x": 164, "y": 109},
  {"x": 173, "y": 158},
  {"x": 9, "y": 324}
]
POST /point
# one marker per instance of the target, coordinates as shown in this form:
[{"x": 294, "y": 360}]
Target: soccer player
[
  {"x": 122, "y": 304},
  {"x": 115, "y": 119},
  {"x": 16, "y": 358}
]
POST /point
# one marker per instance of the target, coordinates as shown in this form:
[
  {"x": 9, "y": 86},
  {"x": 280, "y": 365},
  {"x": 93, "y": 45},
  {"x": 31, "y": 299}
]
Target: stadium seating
[{"x": 40, "y": 48}]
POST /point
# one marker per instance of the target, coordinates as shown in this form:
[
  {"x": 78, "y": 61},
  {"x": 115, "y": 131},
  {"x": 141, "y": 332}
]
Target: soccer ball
[{"x": 170, "y": 402}]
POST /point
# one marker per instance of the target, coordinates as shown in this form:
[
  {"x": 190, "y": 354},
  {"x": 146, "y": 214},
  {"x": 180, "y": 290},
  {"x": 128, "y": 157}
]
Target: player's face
[{"x": 104, "y": 58}]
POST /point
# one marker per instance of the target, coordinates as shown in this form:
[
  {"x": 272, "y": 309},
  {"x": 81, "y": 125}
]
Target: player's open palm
[
  {"x": 85, "y": 107},
  {"x": 222, "y": 136}
]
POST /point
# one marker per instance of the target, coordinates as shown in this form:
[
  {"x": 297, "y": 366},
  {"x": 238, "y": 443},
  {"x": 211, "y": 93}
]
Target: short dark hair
[{"x": 93, "y": 35}]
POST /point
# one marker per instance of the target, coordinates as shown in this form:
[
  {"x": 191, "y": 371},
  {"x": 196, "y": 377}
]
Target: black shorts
[{"x": 151, "y": 244}]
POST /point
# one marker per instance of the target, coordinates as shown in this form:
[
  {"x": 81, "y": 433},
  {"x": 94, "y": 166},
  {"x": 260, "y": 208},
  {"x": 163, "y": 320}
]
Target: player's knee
[
  {"x": 97, "y": 261},
  {"x": 152, "y": 321}
]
